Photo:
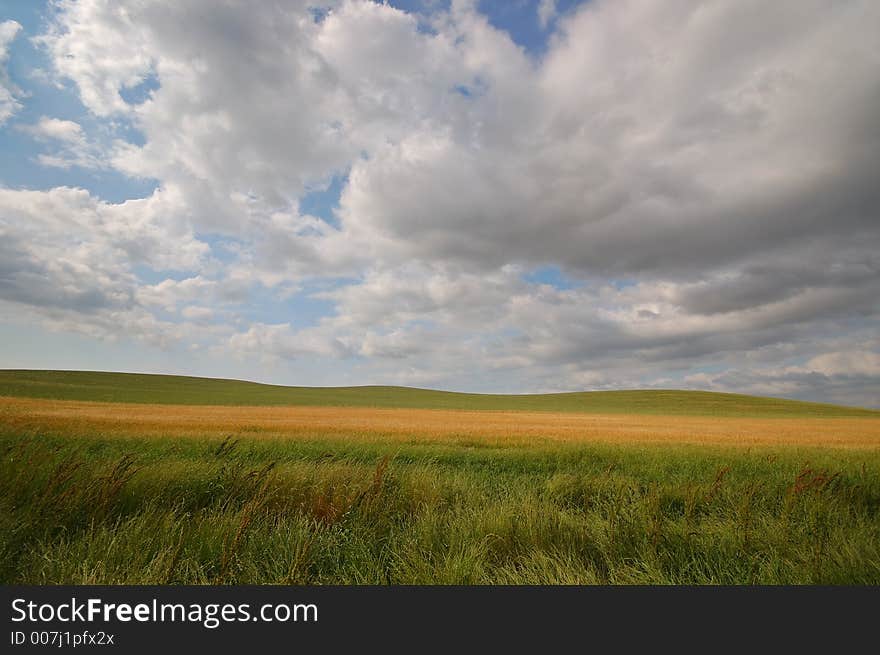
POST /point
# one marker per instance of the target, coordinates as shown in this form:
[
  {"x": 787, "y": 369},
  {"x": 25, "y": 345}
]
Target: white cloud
[
  {"x": 170, "y": 293},
  {"x": 198, "y": 314},
  {"x": 55, "y": 128},
  {"x": 273, "y": 341},
  {"x": 71, "y": 146},
  {"x": 9, "y": 93},
  {"x": 546, "y": 12},
  {"x": 70, "y": 257},
  {"x": 851, "y": 363}
]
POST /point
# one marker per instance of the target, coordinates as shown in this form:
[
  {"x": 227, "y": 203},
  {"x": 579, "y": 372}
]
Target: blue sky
[
  {"x": 475, "y": 195},
  {"x": 19, "y": 151}
]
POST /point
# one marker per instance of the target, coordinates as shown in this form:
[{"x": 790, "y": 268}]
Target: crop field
[{"x": 110, "y": 478}]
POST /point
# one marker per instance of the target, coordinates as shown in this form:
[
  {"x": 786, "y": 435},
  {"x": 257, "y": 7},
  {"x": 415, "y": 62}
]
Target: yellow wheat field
[{"x": 489, "y": 427}]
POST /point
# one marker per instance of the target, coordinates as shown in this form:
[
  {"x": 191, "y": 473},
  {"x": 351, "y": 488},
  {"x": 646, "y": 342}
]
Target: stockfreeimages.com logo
[{"x": 209, "y": 615}]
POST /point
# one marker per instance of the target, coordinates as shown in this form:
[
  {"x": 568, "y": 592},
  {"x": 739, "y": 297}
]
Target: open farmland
[
  {"x": 345, "y": 486},
  {"x": 466, "y": 427}
]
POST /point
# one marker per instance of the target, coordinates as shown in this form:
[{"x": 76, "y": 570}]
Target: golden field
[{"x": 419, "y": 425}]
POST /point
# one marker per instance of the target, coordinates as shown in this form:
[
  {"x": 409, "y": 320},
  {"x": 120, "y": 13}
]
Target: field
[
  {"x": 178, "y": 390},
  {"x": 110, "y": 478}
]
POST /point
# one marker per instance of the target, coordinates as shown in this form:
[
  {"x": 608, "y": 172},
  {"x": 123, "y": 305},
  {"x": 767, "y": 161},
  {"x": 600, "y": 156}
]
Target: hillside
[{"x": 170, "y": 389}]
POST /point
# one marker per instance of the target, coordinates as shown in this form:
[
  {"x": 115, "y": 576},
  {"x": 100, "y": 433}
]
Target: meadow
[
  {"x": 181, "y": 390},
  {"x": 684, "y": 488}
]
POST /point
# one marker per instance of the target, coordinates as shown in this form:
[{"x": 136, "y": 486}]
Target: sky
[{"x": 517, "y": 196}]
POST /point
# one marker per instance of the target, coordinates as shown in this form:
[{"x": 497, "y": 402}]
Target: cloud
[
  {"x": 9, "y": 93},
  {"x": 546, "y": 12},
  {"x": 198, "y": 314},
  {"x": 57, "y": 129},
  {"x": 850, "y": 377},
  {"x": 851, "y": 364},
  {"x": 263, "y": 103},
  {"x": 170, "y": 293},
  {"x": 70, "y": 259},
  {"x": 72, "y": 148},
  {"x": 702, "y": 174},
  {"x": 271, "y": 341},
  {"x": 668, "y": 162}
]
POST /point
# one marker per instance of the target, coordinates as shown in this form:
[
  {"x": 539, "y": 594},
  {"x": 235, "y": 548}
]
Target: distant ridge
[{"x": 184, "y": 390}]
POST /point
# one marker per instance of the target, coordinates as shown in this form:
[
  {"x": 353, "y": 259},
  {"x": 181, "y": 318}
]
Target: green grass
[
  {"x": 141, "y": 388},
  {"x": 131, "y": 510},
  {"x": 81, "y": 507}
]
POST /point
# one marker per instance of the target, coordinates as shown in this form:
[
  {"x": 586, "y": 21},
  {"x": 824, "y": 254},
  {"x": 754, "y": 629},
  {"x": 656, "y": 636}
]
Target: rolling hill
[{"x": 172, "y": 389}]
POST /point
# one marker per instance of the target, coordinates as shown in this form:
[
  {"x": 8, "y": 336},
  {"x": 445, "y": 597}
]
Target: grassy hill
[{"x": 172, "y": 389}]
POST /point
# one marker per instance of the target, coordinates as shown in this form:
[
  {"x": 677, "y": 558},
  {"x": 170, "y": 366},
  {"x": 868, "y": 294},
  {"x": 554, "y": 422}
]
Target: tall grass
[{"x": 203, "y": 511}]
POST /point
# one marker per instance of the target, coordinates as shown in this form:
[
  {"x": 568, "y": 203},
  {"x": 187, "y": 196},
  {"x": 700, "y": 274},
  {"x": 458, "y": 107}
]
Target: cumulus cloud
[
  {"x": 701, "y": 174},
  {"x": 69, "y": 258},
  {"x": 668, "y": 162},
  {"x": 264, "y": 103}
]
